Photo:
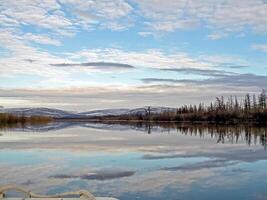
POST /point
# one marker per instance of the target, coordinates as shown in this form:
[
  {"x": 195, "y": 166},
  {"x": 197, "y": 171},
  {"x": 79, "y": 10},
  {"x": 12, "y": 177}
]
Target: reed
[{"x": 7, "y": 119}]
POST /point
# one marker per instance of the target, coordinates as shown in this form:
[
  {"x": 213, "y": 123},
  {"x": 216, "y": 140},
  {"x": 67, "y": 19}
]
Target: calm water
[{"x": 137, "y": 161}]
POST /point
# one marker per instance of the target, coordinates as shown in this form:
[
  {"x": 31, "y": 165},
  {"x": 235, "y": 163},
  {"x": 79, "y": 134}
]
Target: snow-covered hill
[
  {"x": 56, "y": 113},
  {"x": 105, "y": 112},
  {"x": 153, "y": 110},
  {"x": 136, "y": 111}
]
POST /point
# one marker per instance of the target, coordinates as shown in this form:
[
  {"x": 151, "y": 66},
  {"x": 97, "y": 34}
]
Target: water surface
[{"x": 137, "y": 161}]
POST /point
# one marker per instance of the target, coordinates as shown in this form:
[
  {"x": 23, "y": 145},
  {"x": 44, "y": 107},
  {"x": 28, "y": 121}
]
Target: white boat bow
[{"x": 82, "y": 195}]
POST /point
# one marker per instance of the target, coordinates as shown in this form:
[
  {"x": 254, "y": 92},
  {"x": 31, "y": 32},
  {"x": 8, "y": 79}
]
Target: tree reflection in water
[{"x": 251, "y": 134}]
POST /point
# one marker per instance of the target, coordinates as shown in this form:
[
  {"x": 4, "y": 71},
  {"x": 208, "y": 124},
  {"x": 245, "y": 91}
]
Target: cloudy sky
[{"x": 88, "y": 54}]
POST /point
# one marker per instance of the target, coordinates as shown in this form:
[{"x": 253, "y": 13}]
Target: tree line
[{"x": 251, "y": 108}]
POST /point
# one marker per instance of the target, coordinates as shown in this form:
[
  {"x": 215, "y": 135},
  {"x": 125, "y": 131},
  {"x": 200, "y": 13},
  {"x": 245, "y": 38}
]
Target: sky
[{"x": 92, "y": 54}]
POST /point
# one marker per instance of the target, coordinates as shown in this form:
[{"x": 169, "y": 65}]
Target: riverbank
[{"x": 10, "y": 120}]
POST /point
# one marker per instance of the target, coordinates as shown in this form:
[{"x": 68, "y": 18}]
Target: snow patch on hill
[{"x": 56, "y": 113}]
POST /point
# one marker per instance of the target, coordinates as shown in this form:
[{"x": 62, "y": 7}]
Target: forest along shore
[
  {"x": 250, "y": 109},
  {"x": 232, "y": 110}
]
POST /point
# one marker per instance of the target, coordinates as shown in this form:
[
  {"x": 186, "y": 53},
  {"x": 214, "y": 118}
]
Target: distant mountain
[
  {"x": 105, "y": 112},
  {"x": 56, "y": 113},
  {"x": 153, "y": 110},
  {"x": 117, "y": 112}
]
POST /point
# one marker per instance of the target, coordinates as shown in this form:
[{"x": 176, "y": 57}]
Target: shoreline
[{"x": 156, "y": 121}]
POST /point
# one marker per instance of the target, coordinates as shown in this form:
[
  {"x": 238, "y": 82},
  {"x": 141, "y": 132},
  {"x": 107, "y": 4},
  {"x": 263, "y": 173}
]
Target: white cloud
[
  {"x": 41, "y": 39},
  {"x": 145, "y": 33},
  {"x": 106, "y": 14},
  {"x": 152, "y": 58},
  {"x": 217, "y": 36},
  {"x": 26, "y": 59},
  {"x": 64, "y": 16},
  {"x": 224, "y": 16},
  {"x": 34, "y": 12},
  {"x": 261, "y": 47}
]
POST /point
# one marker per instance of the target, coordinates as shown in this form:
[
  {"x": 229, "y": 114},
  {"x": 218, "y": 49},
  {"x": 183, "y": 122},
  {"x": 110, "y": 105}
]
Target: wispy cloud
[
  {"x": 66, "y": 17},
  {"x": 81, "y": 13},
  {"x": 98, "y": 65},
  {"x": 41, "y": 39},
  {"x": 153, "y": 58},
  {"x": 202, "y": 72},
  {"x": 237, "y": 80},
  {"x": 261, "y": 47},
  {"x": 114, "y": 15},
  {"x": 46, "y": 15},
  {"x": 221, "y": 17}
]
